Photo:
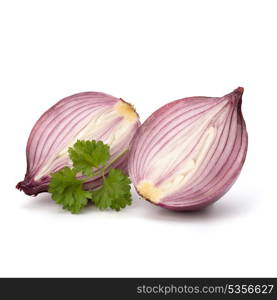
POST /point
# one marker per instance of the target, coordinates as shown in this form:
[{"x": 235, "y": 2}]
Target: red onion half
[
  {"x": 83, "y": 116},
  {"x": 188, "y": 153}
]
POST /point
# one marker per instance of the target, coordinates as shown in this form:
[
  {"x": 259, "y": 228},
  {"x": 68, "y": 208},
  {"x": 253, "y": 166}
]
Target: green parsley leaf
[
  {"x": 115, "y": 192},
  {"x": 87, "y": 155},
  {"x": 68, "y": 191}
]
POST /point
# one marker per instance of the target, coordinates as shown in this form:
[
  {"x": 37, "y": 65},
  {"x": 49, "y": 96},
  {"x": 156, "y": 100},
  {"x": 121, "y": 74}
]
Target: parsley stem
[{"x": 102, "y": 170}]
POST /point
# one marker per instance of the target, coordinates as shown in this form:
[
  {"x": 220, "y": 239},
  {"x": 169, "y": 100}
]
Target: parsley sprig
[{"x": 89, "y": 159}]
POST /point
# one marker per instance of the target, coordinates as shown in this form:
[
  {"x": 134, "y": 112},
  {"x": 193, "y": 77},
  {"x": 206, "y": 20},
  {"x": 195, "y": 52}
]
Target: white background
[{"x": 148, "y": 53}]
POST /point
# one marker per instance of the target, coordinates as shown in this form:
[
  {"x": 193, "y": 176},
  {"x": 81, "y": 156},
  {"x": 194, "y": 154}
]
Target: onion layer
[
  {"x": 188, "y": 153},
  {"x": 83, "y": 116}
]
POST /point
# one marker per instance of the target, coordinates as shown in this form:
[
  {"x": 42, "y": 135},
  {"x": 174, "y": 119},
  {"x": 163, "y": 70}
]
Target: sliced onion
[
  {"x": 188, "y": 153},
  {"x": 83, "y": 116}
]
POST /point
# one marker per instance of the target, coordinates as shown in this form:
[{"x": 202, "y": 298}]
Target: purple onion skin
[
  {"x": 66, "y": 119},
  {"x": 219, "y": 167},
  {"x": 31, "y": 187}
]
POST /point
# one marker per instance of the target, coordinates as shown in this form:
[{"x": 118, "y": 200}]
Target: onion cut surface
[
  {"x": 83, "y": 116},
  {"x": 188, "y": 153}
]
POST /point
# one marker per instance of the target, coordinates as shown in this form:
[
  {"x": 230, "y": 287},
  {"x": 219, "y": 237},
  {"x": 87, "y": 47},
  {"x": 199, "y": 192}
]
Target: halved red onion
[
  {"x": 188, "y": 153},
  {"x": 83, "y": 116}
]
